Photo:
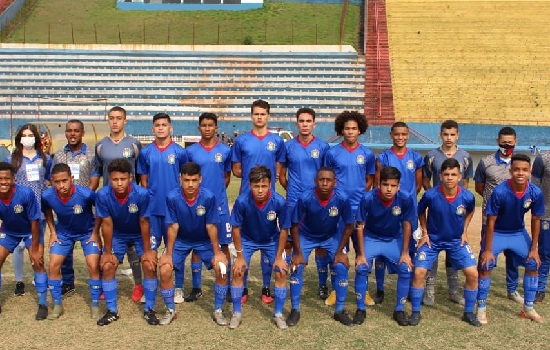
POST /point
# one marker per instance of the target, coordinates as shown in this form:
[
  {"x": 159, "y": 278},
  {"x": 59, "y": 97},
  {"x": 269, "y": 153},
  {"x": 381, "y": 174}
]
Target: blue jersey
[
  {"x": 251, "y": 150},
  {"x": 302, "y": 162},
  {"x": 510, "y": 207},
  {"x": 436, "y": 157},
  {"x": 446, "y": 217},
  {"x": 384, "y": 220},
  {"x": 162, "y": 167},
  {"x": 124, "y": 213},
  {"x": 106, "y": 150},
  {"x": 352, "y": 166},
  {"x": 407, "y": 163},
  {"x": 74, "y": 216},
  {"x": 260, "y": 224},
  {"x": 215, "y": 162},
  {"x": 192, "y": 216},
  {"x": 33, "y": 173},
  {"x": 319, "y": 219},
  {"x": 18, "y": 211}
]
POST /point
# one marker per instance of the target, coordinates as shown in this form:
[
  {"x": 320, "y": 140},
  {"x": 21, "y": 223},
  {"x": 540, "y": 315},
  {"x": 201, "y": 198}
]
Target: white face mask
[{"x": 27, "y": 141}]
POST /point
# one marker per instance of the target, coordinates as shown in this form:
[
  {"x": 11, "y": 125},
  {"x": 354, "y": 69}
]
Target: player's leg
[
  {"x": 135, "y": 265},
  {"x": 7, "y": 245},
  {"x": 379, "y": 275},
  {"x": 58, "y": 251},
  {"x": 196, "y": 278},
  {"x": 67, "y": 275},
  {"x": 280, "y": 289},
  {"x": 373, "y": 250},
  {"x": 512, "y": 278},
  {"x": 40, "y": 281},
  {"x": 544, "y": 254},
  {"x": 391, "y": 253},
  {"x": 91, "y": 254},
  {"x": 206, "y": 255},
  {"x": 484, "y": 272},
  {"x": 322, "y": 262},
  {"x": 452, "y": 282},
  {"x": 150, "y": 282},
  {"x": 109, "y": 283},
  {"x": 297, "y": 281},
  {"x": 424, "y": 260},
  {"x": 18, "y": 262},
  {"x": 225, "y": 239},
  {"x": 431, "y": 278},
  {"x": 237, "y": 284},
  {"x": 341, "y": 287},
  {"x": 266, "y": 268}
]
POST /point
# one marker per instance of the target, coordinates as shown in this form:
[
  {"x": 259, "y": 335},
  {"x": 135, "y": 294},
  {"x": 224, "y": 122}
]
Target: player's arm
[
  {"x": 407, "y": 234},
  {"x": 360, "y": 249},
  {"x": 107, "y": 235},
  {"x": 171, "y": 233},
  {"x": 341, "y": 257},
  {"x": 279, "y": 262},
  {"x": 535, "y": 233},
  {"x": 237, "y": 169},
  {"x": 480, "y": 187},
  {"x": 423, "y": 224},
  {"x": 426, "y": 183},
  {"x": 48, "y": 215},
  {"x": 37, "y": 254},
  {"x": 487, "y": 254},
  {"x": 297, "y": 257},
  {"x": 278, "y": 169},
  {"x": 95, "y": 237},
  {"x": 369, "y": 182},
  {"x": 377, "y": 175},
  {"x": 239, "y": 264},
  {"x": 465, "y": 183},
  {"x": 227, "y": 178},
  {"x": 467, "y": 221},
  {"x": 283, "y": 179},
  {"x": 94, "y": 183},
  {"x": 418, "y": 179},
  {"x": 143, "y": 180}
]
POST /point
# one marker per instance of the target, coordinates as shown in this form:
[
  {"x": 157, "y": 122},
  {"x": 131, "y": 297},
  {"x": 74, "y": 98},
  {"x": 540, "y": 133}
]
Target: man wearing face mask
[{"x": 490, "y": 172}]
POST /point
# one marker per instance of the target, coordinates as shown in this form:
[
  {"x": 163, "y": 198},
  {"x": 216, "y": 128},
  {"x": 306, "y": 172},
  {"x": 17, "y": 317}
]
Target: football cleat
[
  {"x": 359, "y": 317},
  {"x": 236, "y": 320},
  {"x": 368, "y": 299},
  {"x": 42, "y": 312},
  {"x": 56, "y": 312},
  {"x": 471, "y": 319},
  {"x": 415, "y": 318},
  {"x": 195, "y": 294},
  {"x": 539, "y": 297},
  {"x": 379, "y": 297},
  {"x": 482, "y": 315},
  {"x": 456, "y": 298},
  {"x": 323, "y": 292},
  {"x": 530, "y": 313},
  {"x": 331, "y": 300},
  {"x": 219, "y": 318},
  {"x": 169, "y": 316},
  {"x": 515, "y": 296},
  {"x": 137, "y": 293},
  {"x": 429, "y": 297},
  {"x": 178, "y": 296},
  {"x": 244, "y": 298},
  {"x": 293, "y": 318},
  {"x": 401, "y": 318},
  {"x": 343, "y": 318},
  {"x": 19, "y": 289},
  {"x": 108, "y": 318},
  {"x": 151, "y": 317},
  {"x": 67, "y": 289},
  {"x": 279, "y": 321}
]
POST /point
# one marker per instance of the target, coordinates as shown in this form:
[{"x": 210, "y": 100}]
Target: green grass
[{"x": 98, "y": 21}]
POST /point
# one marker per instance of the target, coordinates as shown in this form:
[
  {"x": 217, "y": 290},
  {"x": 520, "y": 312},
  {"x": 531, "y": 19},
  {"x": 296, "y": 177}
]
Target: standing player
[
  {"x": 490, "y": 172},
  {"x": 541, "y": 177},
  {"x": 506, "y": 230},
  {"x": 123, "y": 208},
  {"x": 432, "y": 165},
  {"x": 214, "y": 159},
  {"x": 20, "y": 222},
  {"x": 119, "y": 145},
  {"x": 256, "y": 219},
  {"x": 315, "y": 224},
  {"x": 445, "y": 227},
  {"x": 196, "y": 208},
  {"x": 72, "y": 205},
  {"x": 305, "y": 155},
  {"x": 258, "y": 147}
]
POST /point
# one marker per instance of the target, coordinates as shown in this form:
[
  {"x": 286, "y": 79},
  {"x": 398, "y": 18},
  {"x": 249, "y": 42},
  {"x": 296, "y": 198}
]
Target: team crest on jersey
[
  {"x": 270, "y": 146},
  {"x": 172, "y": 159},
  {"x": 83, "y": 160},
  {"x": 133, "y": 208},
  {"x": 396, "y": 211},
  {"x": 126, "y": 153},
  {"x": 333, "y": 211},
  {"x": 421, "y": 256},
  {"x": 527, "y": 203},
  {"x": 218, "y": 158},
  {"x": 18, "y": 209},
  {"x": 201, "y": 210},
  {"x": 460, "y": 210},
  {"x": 360, "y": 159},
  {"x": 2, "y": 235},
  {"x": 545, "y": 225},
  {"x": 410, "y": 165},
  {"x": 315, "y": 153},
  {"x": 271, "y": 215},
  {"x": 77, "y": 209}
]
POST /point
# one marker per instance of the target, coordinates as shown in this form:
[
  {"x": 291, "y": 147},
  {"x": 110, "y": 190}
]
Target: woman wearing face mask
[{"x": 32, "y": 168}]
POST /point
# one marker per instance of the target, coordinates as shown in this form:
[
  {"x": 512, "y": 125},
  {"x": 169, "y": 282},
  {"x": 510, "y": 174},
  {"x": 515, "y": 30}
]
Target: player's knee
[
  {"x": 420, "y": 273},
  {"x": 362, "y": 270},
  {"x": 340, "y": 268},
  {"x": 280, "y": 277},
  {"x": 108, "y": 267},
  {"x": 404, "y": 271}
]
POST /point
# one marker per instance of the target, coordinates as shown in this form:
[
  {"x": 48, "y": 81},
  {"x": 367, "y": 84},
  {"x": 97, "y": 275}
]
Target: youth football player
[
  {"x": 20, "y": 217},
  {"x": 490, "y": 172},
  {"x": 315, "y": 224},
  {"x": 445, "y": 227},
  {"x": 305, "y": 155},
  {"x": 72, "y": 205},
  {"x": 196, "y": 208},
  {"x": 385, "y": 217},
  {"x": 123, "y": 208},
  {"x": 259, "y": 221},
  {"x": 432, "y": 164},
  {"x": 506, "y": 230}
]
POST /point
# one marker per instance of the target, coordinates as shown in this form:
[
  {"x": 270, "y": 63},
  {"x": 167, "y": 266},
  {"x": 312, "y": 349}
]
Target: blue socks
[
  {"x": 361, "y": 280},
  {"x": 219, "y": 295},
  {"x": 296, "y": 282},
  {"x": 168, "y": 297},
  {"x": 416, "y": 298},
  {"x": 470, "y": 296},
  {"x": 280, "y": 296},
  {"x": 236, "y": 295},
  {"x": 379, "y": 273},
  {"x": 530, "y": 284},
  {"x": 95, "y": 291},
  {"x": 403, "y": 285},
  {"x": 41, "y": 286},
  {"x": 55, "y": 291},
  {"x": 196, "y": 274},
  {"x": 150, "y": 291},
  {"x": 266, "y": 271},
  {"x": 67, "y": 269},
  {"x": 341, "y": 286},
  {"x": 110, "y": 289},
  {"x": 322, "y": 269},
  {"x": 178, "y": 277},
  {"x": 483, "y": 291}
]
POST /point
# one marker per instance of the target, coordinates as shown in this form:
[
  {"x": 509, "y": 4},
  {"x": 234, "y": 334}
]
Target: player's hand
[
  {"x": 280, "y": 265},
  {"x": 534, "y": 254},
  {"x": 297, "y": 260},
  {"x": 37, "y": 257},
  {"x": 486, "y": 258},
  {"x": 341, "y": 258},
  {"x": 239, "y": 266},
  {"x": 166, "y": 259},
  {"x": 464, "y": 239},
  {"x": 107, "y": 257},
  {"x": 406, "y": 258},
  {"x": 425, "y": 239},
  {"x": 360, "y": 260},
  {"x": 219, "y": 257},
  {"x": 54, "y": 239},
  {"x": 94, "y": 237},
  {"x": 149, "y": 259}
]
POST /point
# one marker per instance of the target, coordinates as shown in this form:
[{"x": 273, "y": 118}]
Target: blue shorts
[
  {"x": 460, "y": 257},
  {"x": 268, "y": 249},
  {"x": 67, "y": 245},
  {"x": 159, "y": 230},
  {"x": 11, "y": 242},
  {"x": 544, "y": 240},
  {"x": 519, "y": 243},
  {"x": 224, "y": 230},
  {"x": 122, "y": 242},
  {"x": 182, "y": 249},
  {"x": 307, "y": 244},
  {"x": 389, "y": 251}
]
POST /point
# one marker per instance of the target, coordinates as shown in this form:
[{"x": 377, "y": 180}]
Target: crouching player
[
  {"x": 75, "y": 222},
  {"x": 197, "y": 210},
  {"x": 506, "y": 231},
  {"x": 256, "y": 218},
  {"x": 450, "y": 210},
  {"x": 122, "y": 206},
  {"x": 315, "y": 225},
  {"x": 386, "y": 216},
  {"x": 20, "y": 222}
]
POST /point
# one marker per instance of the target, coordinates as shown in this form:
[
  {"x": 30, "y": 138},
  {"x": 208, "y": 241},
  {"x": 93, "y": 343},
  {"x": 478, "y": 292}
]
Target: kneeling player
[
  {"x": 386, "y": 216},
  {"x": 450, "y": 210},
  {"x": 75, "y": 222}
]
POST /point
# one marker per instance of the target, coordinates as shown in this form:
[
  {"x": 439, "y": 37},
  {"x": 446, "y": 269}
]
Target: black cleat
[
  {"x": 415, "y": 318},
  {"x": 151, "y": 317},
  {"x": 293, "y": 318},
  {"x": 539, "y": 297},
  {"x": 379, "y": 297},
  {"x": 323, "y": 292},
  {"x": 42, "y": 312},
  {"x": 401, "y": 318},
  {"x": 343, "y": 318},
  {"x": 195, "y": 294},
  {"x": 19, "y": 289},
  {"x": 359, "y": 316},
  {"x": 67, "y": 289},
  {"x": 471, "y": 319},
  {"x": 108, "y": 318}
]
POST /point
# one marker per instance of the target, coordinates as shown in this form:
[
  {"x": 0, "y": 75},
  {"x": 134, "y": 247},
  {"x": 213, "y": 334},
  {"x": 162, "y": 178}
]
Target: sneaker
[
  {"x": 530, "y": 313},
  {"x": 151, "y": 317},
  {"x": 368, "y": 300},
  {"x": 244, "y": 298},
  {"x": 266, "y": 296},
  {"x": 293, "y": 318},
  {"x": 515, "y": 296},
  {"x": 401, "y": 318},
  {"x": 379, "y": 297},
  {"x": 539, "y": 297},
  {"x": 415, "y": 318},
  {"x": 331, "y": 300},
  {"x": 19, "y": 289},
  {"x": 236, "y": 320},
  {"x": 169, "y": 316},
  {"x": 323, "y": 292},
  {"x": 94, "y": 312},
  {"x": 456, "y": 298},
  {"x": 137, "y": 293},
  {"x": 42, "y": 312},
  {"x": 429, "y": 297},
  {"x": 219, "y": 317},
  {"x": 56, "y": 312},
  {"x": 343, "y": 318},
  {"x": 359, "y": 316},
  {"x": 279, "y": 321},
  {"x": 108, "y": 318},
  {"x": 195, "y": 294},
  {"x": 178, "y": 296},
  {"x": 67, "y": 289},
  {"x": 471, "y": 319},
  {"x": 482, "y": 315}
]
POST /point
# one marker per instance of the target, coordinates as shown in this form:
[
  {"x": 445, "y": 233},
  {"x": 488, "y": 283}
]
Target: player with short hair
[
  {"x": 505, "y": 210},
  {"x": 445, "y": 227},
  {"x": 123, "y": 208},
  {"x": 72, "y": 205},
  {"x": 259, "y": 221}
]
